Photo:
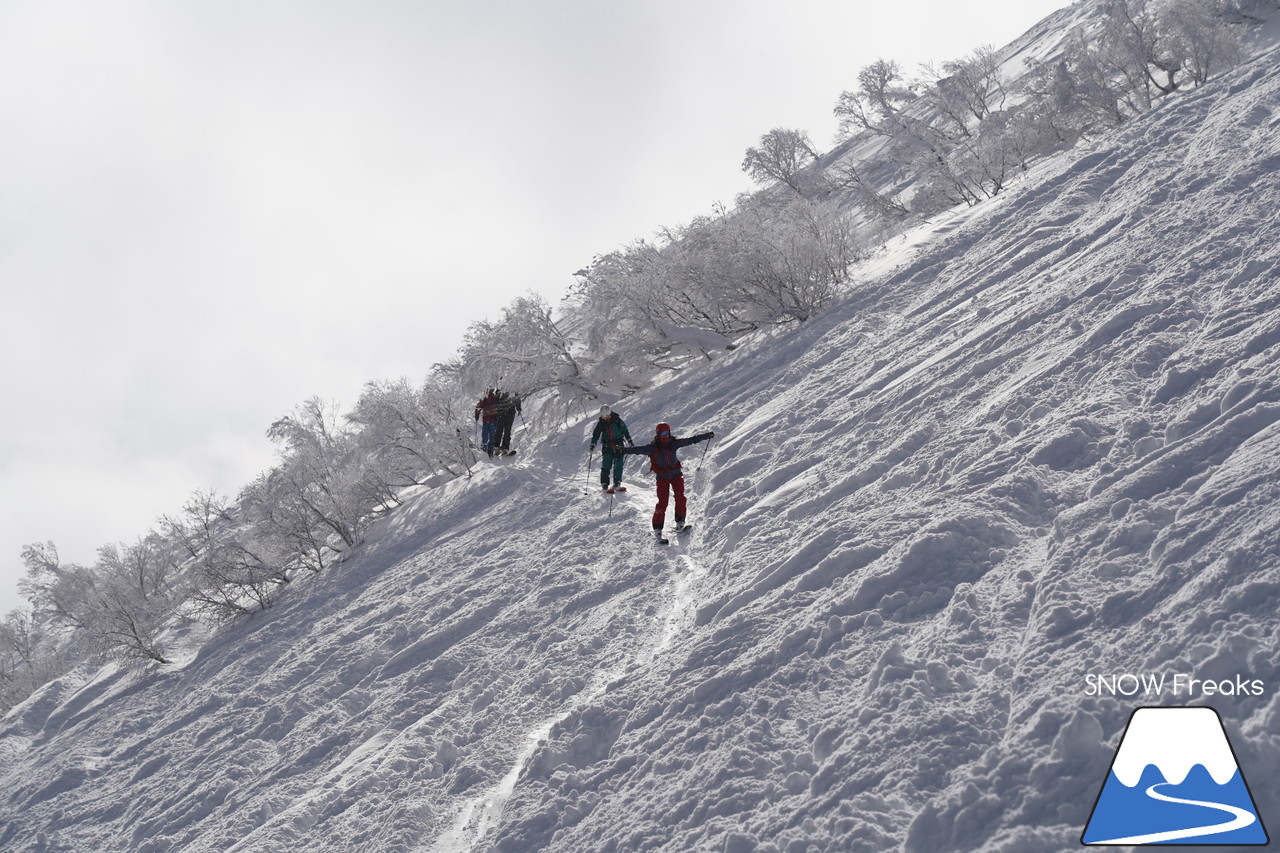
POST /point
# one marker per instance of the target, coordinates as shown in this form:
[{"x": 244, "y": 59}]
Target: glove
[{"x": 593, "y": 448}]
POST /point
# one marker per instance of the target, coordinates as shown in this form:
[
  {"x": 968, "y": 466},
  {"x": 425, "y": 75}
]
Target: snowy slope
[{"x": 1040, "y": 441}]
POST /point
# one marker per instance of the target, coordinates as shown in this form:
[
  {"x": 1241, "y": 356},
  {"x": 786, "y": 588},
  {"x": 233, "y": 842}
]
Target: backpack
[
  {"x": 612, "y": 432},
  {"x": 658, "y": 431}
]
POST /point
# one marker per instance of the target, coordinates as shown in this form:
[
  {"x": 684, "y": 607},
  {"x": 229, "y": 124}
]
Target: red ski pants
[{"x": 660, "y": 511}]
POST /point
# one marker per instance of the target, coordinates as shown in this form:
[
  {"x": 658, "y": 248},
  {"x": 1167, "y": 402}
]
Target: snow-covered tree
[
  {"x": 1200, "y": 37},
  {"x": 1154, "y": 47},
  {"x": 15, "y": 654},
  {"x": 63, "y": 593},
  {"x": 882, "y": 204},
  {"x": 234, "y": 573},
  {"x": 781, "y": 157},
  {"x": 653, "y": 306},
  {"x": 119, "y": 606},
  {"x": 450, "y": 415},
  {"x": 793, "y": 259},
  {"x": 395, "y": 433},
  {"x": 1074, "y": 97},
  {"x": 878, "y": 104},
  {"x": 139, "y": 591},
  {"x": 620, "y": 337},
  {"x": 408, "y": 434},
  {"x": 948, "y": 135},
  {"x": 29, "y": 656},
  {"x": 525, "y": 351},
  {"x": 1140, "y": 51},
  {"x": 318, "y": 496},
  {"x": 969, "y": 89}
]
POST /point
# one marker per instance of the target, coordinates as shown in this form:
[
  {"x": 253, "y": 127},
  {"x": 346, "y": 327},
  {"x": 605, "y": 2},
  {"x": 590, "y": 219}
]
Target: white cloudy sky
[{"x": 212, "y": 211}]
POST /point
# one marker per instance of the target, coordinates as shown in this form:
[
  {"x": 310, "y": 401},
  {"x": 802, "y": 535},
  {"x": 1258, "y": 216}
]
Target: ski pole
[
  {"x": 703, "y": 457},
  {"x": 590, "y": 454},
  {"x": 610, "y": 515}
]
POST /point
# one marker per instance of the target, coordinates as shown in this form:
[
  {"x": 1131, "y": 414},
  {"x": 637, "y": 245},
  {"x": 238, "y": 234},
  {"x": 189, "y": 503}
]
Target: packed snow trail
[
  {"x": 481, "y": 813},
  {"x": 478, "y": 816}
]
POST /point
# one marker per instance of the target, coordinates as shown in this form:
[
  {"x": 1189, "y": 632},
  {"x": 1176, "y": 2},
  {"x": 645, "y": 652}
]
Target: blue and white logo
[{"x": 1175, "y": 780}]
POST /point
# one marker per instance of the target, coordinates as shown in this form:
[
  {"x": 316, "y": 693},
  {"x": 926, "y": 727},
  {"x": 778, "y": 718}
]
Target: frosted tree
[
  {"x": 878, "y": 104},
  {"x": 394, "y": 433},
  {"x": 233, "y": 574},
  {"x": 947, "y": 135},
  {"x": 882, "y": 203},
  {"x": 656, "y": 306},
  {"x": 653, "y": 306},
  {"x": 975, "y": 141},
  {"x": 619, "y": 338},
  {"x": 16, "y": 647},
  {"x": 139, "y": 591},
  {"x": 119, "y": 606},
  {"x": 449, "y": 414},
  {"x": 1157, "y": 46},
  {"x": 29, "y": 657},
  {"x": 970, "y": 89},
  {"x": 1139, "y": 52},
  {"x": 789, "y": 261},
  {"x": 283, "y": 525},
  {"x": 781, "y": 157},
  {"x": 408, "y": 434},
  {"x": 1200, "y": 38},
  {"x": 1079, "y": 95},
  {"x": 317, "y": 497},
  {"x": 60, "y": 592},
  {"x": 526, "y": 351},
  {"x": 1137, "y": 48}
]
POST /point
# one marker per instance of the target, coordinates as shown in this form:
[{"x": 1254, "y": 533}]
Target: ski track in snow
[{"x": 478, "y": 816}]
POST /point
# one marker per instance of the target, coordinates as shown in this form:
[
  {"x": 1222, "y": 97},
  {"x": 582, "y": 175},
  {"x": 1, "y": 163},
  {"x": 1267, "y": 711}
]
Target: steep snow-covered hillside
[{"x": 1039, "y": 443}]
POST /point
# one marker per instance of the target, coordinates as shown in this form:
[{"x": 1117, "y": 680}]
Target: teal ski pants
[{"x": 610, "y": 460}]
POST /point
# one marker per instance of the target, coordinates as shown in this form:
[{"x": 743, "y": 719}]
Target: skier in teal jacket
[
  {"x": 612, "y": 435},
  {"x": 666, "y": 465}
]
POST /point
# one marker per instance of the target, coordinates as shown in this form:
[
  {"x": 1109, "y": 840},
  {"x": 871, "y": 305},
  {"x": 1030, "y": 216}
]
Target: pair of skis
[
  {"x": 662, "y": 540},
  {"x": 681, "y": 531}
]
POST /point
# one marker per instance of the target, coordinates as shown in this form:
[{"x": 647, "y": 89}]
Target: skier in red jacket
[
  {"x": 488, "y": 408},
  {"x": 666, "y": 465}
]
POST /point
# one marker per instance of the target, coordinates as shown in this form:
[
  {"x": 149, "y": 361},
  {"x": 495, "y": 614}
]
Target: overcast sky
[{"x": 210, "y": 212}]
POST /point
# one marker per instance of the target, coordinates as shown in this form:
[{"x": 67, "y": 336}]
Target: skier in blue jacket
[{"x": 666, "y": 465}]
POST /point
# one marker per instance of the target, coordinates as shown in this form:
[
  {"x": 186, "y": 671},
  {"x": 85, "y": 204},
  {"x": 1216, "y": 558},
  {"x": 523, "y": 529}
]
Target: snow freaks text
[{"x": 1180, "y": 684}]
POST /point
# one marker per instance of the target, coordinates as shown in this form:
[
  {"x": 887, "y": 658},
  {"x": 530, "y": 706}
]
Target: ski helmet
[
  {"x": 663, "y": 429},
  {"x": 605, "y": 411}
]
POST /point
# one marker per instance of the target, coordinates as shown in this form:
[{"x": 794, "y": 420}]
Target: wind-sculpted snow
[{"x": 1038, "y": 442}]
